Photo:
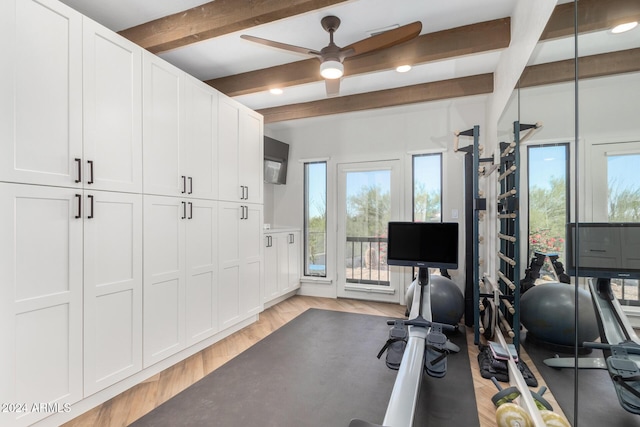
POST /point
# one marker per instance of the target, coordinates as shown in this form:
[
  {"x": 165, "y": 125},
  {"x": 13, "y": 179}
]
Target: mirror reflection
[{"x": 578, "y": 167}]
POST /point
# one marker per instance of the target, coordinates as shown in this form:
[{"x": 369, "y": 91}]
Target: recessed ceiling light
[
  {"x": 624, "y": 27},
  {"x": 403, "y": 68},
  {"x": 276, "y": 91}
]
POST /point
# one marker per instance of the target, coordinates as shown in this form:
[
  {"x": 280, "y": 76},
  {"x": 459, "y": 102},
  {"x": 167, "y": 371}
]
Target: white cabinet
[
  {"x": 162, "y": 120},
  {"x": 293, "y": 266},
  {"x": 112, "y": 288},
  {"x": 72, "y": 105},
  {"x": 40, "y": 93},
  {"x": 180, "y": 132},
  {"x": 281, "y": 264},
  {"x": 109, "y": 215},
  {"x": 201, "y": 297},
  {"x": 199, "y": 145},
  {"x": 180, "y": 274},
  {"x": 240, "y": 249},
  {"x": 40, "y": 297},
  {"x": 251, "y": 155},
  {"x": 241, "y": 148},
  {"x": 112, "y": 111}
]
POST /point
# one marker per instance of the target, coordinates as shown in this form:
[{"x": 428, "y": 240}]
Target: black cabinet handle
[
  {"x": 79, "y": 164},
  {"x": 184, "y": 184},
  {"x": 79, "y": 199},
  {"x": 90, "y": 196},
  {"x": 184, "y": 210},
  {"x": 246, "y": 215},
  {"x": 244, "y": 192},
  {"x": 90, "y": 172},
  {"x": 190, "y": 185},
  {"x": 190, "y": 211},
  {"x": 291, "y": 238}
]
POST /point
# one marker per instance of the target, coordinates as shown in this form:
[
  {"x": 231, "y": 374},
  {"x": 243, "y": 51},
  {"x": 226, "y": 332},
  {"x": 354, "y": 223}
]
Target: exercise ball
[
  {"x": 548, "y": 313},
  {"x": 447, "y": 301}
]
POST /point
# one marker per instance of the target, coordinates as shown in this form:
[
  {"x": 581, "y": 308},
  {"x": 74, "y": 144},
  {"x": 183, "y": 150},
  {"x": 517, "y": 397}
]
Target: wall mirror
[{"x": 579, "y": 167}]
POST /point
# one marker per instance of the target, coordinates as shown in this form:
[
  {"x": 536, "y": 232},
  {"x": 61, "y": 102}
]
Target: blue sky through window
[
  {"x": 621, "y": 171},
  {"x": 317, "y": 188},
  {"x": 546, "y": 163}
]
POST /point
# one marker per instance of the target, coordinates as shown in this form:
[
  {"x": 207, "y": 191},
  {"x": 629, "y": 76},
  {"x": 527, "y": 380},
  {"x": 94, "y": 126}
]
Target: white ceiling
[{"x": 229, "y": 54}]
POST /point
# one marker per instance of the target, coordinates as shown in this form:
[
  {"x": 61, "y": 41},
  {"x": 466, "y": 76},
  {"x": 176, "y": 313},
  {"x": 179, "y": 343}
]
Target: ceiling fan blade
[
  {"x": 333, "y": 87},
  {"x": 385, "y": 40},
  {"x": 283, "y": 46}
]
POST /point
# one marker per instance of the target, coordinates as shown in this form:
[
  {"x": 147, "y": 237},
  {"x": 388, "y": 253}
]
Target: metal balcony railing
[{"x": 366, "y": 260}]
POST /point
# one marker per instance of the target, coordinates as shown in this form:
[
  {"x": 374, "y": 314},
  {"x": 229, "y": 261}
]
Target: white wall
[
  {"x": 391, "y": 133},
  {"x": 527, "y": 23}
]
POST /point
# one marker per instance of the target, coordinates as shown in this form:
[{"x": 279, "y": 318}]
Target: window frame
[
  {"x": 306, "y": 218},
  {"x": 567, "y": 172}
]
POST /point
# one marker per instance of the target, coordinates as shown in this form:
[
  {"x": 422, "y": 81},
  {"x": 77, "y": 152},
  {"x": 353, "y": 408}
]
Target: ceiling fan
[{"x": 332, "y": 56}]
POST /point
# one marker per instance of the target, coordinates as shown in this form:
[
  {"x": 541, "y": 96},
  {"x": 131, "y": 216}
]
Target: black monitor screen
[
  {"x": 423, "y": 244},
  {"x": 604, "y": 250}
]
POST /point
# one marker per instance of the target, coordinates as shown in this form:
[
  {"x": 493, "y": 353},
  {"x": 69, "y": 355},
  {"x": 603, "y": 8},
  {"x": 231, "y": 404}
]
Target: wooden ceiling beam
[
  {"x": 214, "y": 19},
  {"x": 606, "y": 64},
  {"x": 454, "y": 88},
  {"x": 466, "y": 40},
  {"x": 627, "y": 61},
  {"x": 593, "y": 15}
]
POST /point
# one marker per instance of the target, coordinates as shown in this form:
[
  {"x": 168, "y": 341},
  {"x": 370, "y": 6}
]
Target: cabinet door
[
  {"x": 164, "y": 277},
  {"x": 40, "y": 92},
  {"x": 251, "y": 155},
  {"x": 293, "y": 251},
  {"x": 271, "y": 267},
  {"x": 112, "y": 110},
  {"x": 252, "y": 254},
  {"x": 112, "y": 288},
  {"x": 162, "y": 120},
  {"x": 283, "y": 262},
  {"x": 229, "y": 220},
  {"x": 228, "y": 134},
  {"x": 200, "y": 142},
  {"x": 40, "y": 296},
  {"x": 201, "y": 270}
]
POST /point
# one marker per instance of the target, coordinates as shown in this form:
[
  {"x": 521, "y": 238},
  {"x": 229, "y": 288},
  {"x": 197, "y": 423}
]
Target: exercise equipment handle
[
  {"x": 629, "y": 348},
  {"x": 421, "y": 322}
]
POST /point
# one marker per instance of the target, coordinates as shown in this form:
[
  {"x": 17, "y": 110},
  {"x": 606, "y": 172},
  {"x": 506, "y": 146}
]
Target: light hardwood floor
[{"x": 127, "y": 407}]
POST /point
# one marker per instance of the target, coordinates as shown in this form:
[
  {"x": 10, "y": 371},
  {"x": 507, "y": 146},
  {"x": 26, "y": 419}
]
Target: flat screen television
[
  {"x": 423, "y": 244},
  {"x": 604, "y": 250}
]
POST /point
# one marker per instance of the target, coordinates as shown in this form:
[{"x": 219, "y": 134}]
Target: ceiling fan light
[{"x": 331, "y": 69}]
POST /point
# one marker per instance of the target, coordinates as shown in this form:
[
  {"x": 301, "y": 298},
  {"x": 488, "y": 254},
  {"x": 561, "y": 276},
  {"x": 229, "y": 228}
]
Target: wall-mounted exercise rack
[
  {"x": 509, "y": 231},
  {"x": 475, "y": 205}
]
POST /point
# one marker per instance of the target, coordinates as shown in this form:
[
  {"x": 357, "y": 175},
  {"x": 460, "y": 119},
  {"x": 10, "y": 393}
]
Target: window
[
  {"x": 548, "y": 198},
  {"x": 315, "y": 219},
  {"x": 427, "y": 188},
  {"x": 623, "y": 205}
]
